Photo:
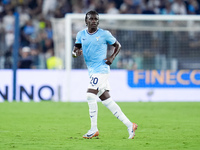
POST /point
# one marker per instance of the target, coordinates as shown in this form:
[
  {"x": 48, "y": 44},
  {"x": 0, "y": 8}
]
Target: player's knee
[
  {"x": 91, "y": 96},
  {"x": 105, "y": 95}
]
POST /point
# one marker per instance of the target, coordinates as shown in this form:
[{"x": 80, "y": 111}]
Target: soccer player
[{"x": 92, "y": 43}]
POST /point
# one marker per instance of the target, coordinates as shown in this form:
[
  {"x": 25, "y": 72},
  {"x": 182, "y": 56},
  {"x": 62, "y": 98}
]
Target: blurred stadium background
[{"x": 159, "y": 60}]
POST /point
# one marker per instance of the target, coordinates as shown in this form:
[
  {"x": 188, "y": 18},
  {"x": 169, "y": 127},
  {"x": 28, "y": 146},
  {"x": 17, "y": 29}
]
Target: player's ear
[{"x": 86, "y": 21}]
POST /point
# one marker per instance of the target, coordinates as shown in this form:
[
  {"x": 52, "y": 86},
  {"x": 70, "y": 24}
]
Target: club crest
[{"x": 97, "y": 38}]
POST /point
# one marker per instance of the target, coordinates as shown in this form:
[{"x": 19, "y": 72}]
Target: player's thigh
[
  {"x": 92, "y": 91},
  {"x": 99, "y": 82}
]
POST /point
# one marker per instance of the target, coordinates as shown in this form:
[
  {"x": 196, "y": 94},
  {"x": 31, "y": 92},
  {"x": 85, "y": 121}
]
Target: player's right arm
[
  {"x": 77, "y": 47},
  {"x": 77, "y": 50}
]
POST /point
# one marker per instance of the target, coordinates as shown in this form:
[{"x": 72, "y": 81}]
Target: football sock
[
  {"x": 93, "y": 110},
  {"x": 116, "y": 110}
]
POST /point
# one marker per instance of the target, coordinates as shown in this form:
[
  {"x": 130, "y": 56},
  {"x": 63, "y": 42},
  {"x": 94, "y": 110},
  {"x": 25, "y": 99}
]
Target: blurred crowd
[{"x": 36, "y": 34}]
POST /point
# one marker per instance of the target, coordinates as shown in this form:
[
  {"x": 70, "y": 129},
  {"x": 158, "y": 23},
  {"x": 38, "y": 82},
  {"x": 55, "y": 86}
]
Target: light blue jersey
[{"x": 94, "y": 48}]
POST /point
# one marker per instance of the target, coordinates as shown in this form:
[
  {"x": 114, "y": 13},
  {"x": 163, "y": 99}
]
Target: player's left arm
[{"x": 117, "y": 48}]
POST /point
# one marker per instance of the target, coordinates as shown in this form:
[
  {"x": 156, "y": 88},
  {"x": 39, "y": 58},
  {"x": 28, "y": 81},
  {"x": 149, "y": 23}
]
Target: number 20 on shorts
[{"x": 93, "y": 81}]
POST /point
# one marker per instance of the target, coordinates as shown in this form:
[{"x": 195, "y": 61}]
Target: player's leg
[
  {"x": 114, "y": 108},
  {"x": 117, "y": 112},
  {"x": 93, "y": 110}
]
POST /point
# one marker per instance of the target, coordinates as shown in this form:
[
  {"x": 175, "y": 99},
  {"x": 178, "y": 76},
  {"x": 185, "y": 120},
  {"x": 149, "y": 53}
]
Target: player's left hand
[{"x": 109, "y": 60}]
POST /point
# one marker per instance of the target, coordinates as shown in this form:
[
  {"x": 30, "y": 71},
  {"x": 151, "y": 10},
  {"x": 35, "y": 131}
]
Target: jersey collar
[{"x": 93, "y": 32}]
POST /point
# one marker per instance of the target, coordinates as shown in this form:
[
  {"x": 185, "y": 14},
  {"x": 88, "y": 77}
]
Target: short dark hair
[{"x": 91, "y": 12}]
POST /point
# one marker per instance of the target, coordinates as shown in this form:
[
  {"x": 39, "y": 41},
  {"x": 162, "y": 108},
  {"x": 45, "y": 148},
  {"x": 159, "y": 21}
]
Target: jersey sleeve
[
  {"x": 78, "y": 38},
  {"x": 110, "y": 39}
]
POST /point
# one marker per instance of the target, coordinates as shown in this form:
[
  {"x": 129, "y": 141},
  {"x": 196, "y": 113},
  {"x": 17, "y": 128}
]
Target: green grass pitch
[{"x": 60, "y": 126}]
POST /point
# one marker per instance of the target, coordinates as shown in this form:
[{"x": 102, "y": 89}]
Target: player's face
[{"x": 92, "y": 21}]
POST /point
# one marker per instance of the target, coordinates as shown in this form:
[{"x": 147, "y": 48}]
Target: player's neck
[{"x": 92, "y": 30}]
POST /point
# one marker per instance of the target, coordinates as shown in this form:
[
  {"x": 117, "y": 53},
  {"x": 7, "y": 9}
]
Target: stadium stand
[{"x": 36, "y": 29}]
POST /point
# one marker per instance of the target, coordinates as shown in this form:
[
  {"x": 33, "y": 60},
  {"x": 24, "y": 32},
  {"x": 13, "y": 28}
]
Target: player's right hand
[
  {"x": 74, "y": 54},
  {"x": 77, "y": 53}
]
